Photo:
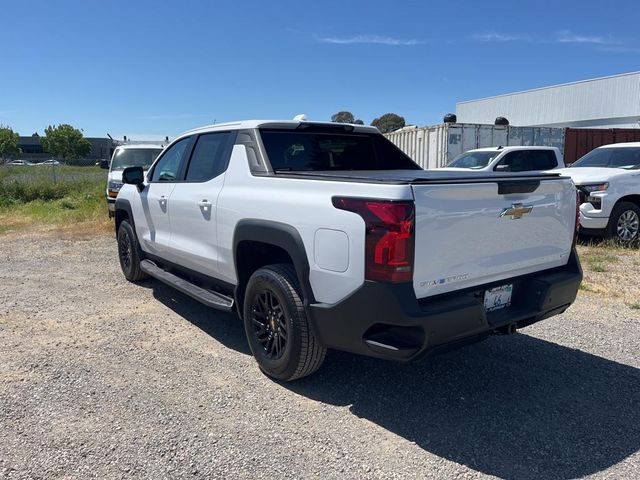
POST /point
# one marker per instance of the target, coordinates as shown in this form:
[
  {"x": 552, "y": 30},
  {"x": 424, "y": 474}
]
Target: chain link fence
[{"x": 38, "y": 169}]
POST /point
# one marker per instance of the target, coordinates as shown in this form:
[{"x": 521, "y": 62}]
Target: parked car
[
  {"x": 136, "y": 155},
  {"x": 508, "y": 159},
  {"x": 19, "y": 163},
  {"x": 608, "y": 181},
  {"x": 326, "y": 235},
  {"x": 50, "y": 162}
]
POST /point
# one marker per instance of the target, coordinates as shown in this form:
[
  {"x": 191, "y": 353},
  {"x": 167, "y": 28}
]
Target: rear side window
[
  {"x": 529, "y": 160},
  {"x": 210, "y": 156},
  {"x": 321, "y": 151},
  {"x": 543, "y": 159}
]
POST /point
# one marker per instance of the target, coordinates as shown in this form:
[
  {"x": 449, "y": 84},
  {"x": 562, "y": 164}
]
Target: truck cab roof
[{"x": 284, "y": 124}]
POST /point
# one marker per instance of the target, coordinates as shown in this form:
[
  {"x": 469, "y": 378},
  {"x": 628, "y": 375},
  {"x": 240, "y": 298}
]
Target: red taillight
[
  {"x": 389, "y": 237},
  {"x": 575, "y": 235}
]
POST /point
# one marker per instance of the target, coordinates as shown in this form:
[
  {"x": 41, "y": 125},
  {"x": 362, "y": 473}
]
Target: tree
[
  {"x": 359, "y": 122},
  {"x": 389, "y": 122},
  {"x": 8, "y": 142},
  {"x": 65, "y": 142},
  {"x": 343, "y": 117}
]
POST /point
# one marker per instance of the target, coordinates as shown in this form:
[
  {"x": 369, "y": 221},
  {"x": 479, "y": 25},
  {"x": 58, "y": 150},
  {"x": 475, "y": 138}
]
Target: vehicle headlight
[
  {"x": 598, "y": 187},
  {"x": 114, "y": 186},
  {"x": 586, "y": 192}
]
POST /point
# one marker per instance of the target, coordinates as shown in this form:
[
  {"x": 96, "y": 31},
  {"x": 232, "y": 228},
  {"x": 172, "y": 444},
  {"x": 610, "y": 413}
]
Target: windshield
[
  {"x": 319, "y": 150},
  {"x": 473, "y": 160},
  {"x": 134, "y": 157},
  {"x": 624, "y": 157}
]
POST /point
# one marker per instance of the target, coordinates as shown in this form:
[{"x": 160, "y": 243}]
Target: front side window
[
  {"x": 473, "y": 160},
  {"x": 210, "y": 156},
  {"x": 168, "y": 167},
  {"x": 321, "y": 151}
]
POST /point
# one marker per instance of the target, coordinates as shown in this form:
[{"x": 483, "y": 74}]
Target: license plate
[{"x": 497, "y": 298}]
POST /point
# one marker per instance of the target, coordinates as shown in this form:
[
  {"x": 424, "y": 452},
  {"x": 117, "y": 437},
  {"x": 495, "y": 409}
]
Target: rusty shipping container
[
  {"x": 580, "y": 141},
  {"x": 437, "y": 145}
]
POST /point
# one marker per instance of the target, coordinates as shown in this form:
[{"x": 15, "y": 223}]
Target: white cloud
[
  {"x": 569, "y": 37},
  {"x": 370, "y": 39},
  {"x": 493, "y": 36}
]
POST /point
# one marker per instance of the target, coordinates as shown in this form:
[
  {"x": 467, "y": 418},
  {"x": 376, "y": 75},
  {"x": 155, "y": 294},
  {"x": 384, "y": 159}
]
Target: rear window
[{"x": 321, "y": 151}]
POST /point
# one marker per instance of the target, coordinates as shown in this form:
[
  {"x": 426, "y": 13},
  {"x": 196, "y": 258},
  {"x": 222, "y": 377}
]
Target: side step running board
[{"x": 207, "y": 297}]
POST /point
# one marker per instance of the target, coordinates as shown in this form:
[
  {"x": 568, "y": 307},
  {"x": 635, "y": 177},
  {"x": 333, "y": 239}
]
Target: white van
[{"x": 135, "y": 155}]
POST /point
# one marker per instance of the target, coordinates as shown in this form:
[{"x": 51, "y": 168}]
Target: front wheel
[
  {"x": 129, "y": 253},
  {"x": 276, "y": 324},
  {"x": 624, "y": 224}
]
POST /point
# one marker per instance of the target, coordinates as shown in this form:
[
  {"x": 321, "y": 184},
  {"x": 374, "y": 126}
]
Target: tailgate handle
[{"x": 517, "y": 186}]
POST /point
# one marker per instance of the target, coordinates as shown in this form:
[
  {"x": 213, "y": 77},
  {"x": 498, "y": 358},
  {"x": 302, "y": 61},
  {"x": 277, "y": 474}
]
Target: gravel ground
[{"x": 100, "y": 378}]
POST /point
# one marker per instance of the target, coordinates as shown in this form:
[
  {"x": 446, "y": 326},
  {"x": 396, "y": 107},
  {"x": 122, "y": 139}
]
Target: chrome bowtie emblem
[{"x": 517, "y": 210}]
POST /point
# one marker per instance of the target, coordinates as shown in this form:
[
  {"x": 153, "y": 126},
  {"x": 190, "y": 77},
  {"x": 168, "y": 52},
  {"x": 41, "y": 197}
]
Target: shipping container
[
  {"x": 437, "y": 145},
  {"x": 580, "y": 141}
]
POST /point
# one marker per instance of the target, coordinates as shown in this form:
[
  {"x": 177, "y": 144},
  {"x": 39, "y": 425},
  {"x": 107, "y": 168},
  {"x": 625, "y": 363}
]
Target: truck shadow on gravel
[
  {"x": 224, "y": 327},
  {"x": 513, "y": 407}
]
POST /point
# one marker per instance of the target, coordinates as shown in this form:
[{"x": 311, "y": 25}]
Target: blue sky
[{"x": 146, "y": 68}]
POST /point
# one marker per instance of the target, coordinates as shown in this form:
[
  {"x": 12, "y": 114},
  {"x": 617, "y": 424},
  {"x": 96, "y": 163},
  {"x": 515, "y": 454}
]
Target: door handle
[
  {"x": 163, "y": 200},
  {"x": 205, "y": 204}
]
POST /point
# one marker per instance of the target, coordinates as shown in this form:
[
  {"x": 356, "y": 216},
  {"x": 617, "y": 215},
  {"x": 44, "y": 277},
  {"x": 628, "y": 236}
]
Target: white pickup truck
[
  {"x": 608, "y": 179},
  {"x": 325, "y": 235},
  {"x": 508, "y": 159}
]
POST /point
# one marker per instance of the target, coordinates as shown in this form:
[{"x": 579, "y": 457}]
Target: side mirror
[
  {"x": 503, "y": 168},
  {"x": 134, "y": 176},
  {"x": 104, "y": 163}
]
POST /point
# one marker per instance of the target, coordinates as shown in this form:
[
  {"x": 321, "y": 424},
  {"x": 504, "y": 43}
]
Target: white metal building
[{"x": 608, "y": 102}]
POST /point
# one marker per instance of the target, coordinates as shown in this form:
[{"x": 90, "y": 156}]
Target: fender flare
[
  {"x": 280, "y": 235},
  {"x": 123, "y": 204}
]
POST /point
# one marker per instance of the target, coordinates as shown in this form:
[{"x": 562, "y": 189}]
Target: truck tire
[
  {"x": 277, "y": 327},
  {"x": 624, "y": 224},
  {"x": 129, "y": 253}
]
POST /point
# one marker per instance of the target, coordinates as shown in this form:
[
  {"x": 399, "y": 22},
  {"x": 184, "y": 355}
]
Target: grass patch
[
  {"x": 601, "y": 258},
  {"x": 585, "y": 287},
  {"x": 75, "y": 201},
  {"x": 597, "y": 268}
]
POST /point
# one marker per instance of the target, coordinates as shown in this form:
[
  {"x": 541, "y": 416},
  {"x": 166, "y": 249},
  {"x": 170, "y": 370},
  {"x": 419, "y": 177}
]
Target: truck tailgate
[{"x": 475, "y": 233}]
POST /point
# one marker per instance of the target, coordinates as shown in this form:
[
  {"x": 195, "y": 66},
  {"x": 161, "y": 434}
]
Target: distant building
[
  {"x": 608, "y": 102},
  {"x": 100, "y": 147}
]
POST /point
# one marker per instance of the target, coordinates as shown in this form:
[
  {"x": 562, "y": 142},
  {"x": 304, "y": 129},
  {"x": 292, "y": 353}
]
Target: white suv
[{"x": 608, "y": 180}]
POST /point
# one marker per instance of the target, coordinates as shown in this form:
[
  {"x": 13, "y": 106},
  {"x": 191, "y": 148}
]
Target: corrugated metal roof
[{"x": 607, "y": 101}]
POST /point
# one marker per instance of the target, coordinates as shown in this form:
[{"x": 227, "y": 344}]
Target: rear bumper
[{"x": 387, "y": 321}]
